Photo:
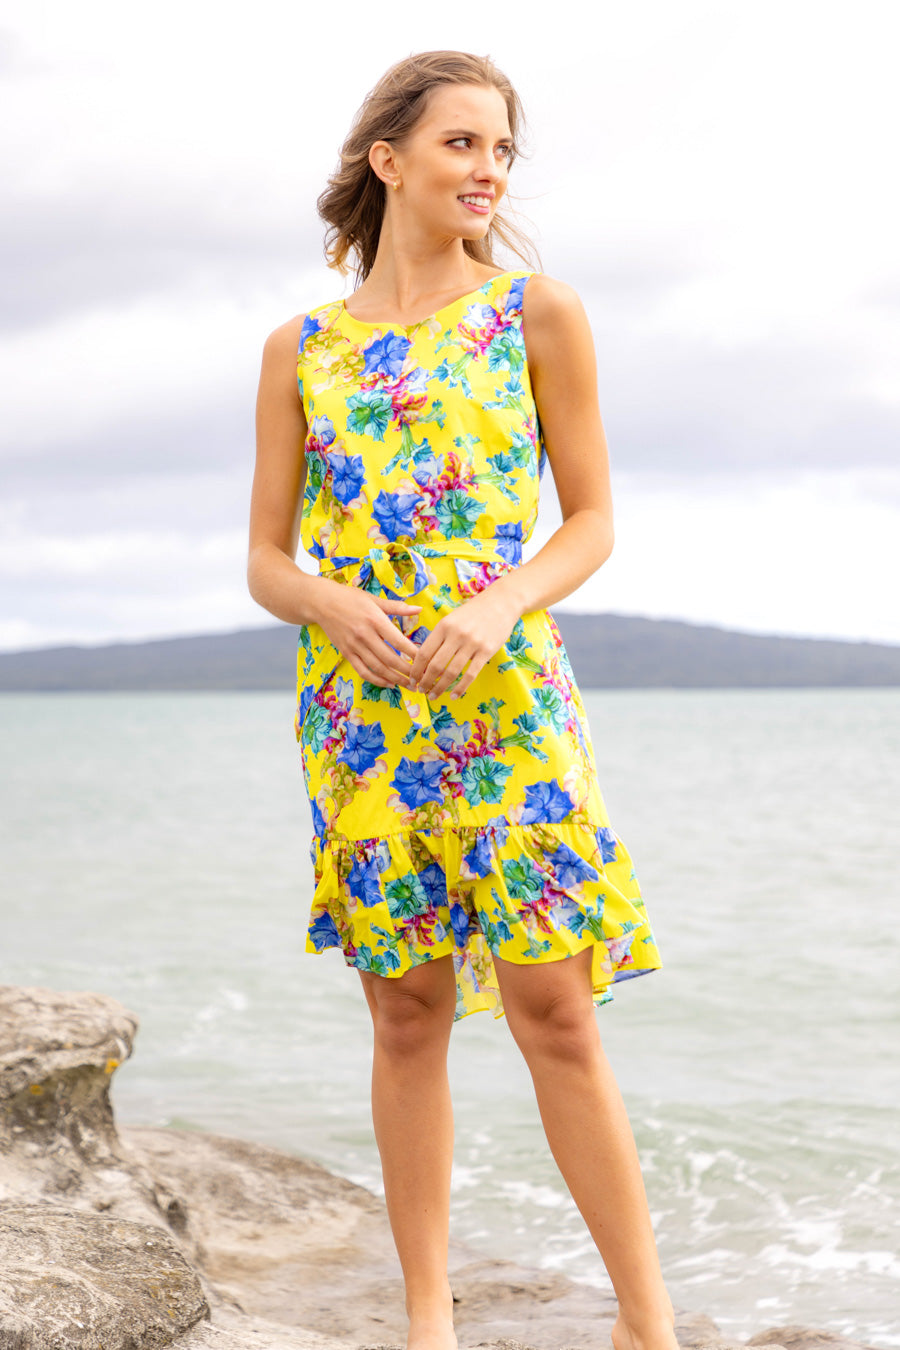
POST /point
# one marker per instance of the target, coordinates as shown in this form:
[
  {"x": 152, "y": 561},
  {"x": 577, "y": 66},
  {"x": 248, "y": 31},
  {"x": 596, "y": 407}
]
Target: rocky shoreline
[{"x": 119, "y": 1239}]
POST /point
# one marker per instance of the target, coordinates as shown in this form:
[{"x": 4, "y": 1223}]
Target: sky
[{"x": 716, "y": 180}]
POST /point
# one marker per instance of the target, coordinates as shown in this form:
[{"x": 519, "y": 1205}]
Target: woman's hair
[{"x": 353, "y": 204}]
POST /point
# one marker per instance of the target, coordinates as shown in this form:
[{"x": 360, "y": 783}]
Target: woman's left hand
[{"x": 464, "y": 639}]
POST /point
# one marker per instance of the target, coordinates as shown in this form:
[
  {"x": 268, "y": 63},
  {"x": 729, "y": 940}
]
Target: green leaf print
[
  {"x": 523, "y": 879},
  {"x": 552, "y": 708},
  {"x": 495, "y": 933},
  {"x": 528, "y": 741},
  {"x": 592, "y": 921},
  {"x": 405, "y": 897},
  {"x": 491, "y": 708},
  {"x": 506, "y": 352},
  {"x": 316, "y": 727},
  {"x": 369, "y": 413},
  {"x": 453, "y": 373},
  {"x": 513, "y": 396},
  {"x": 374, "y": 693},
  {"x": 537, "y": 948},
  {"x": 518, "y": 646},
  {"x": 484, "y": 779},
  {"x": 316, "y": 469},
  {"x": 457, "y": 513},
  {"x": 500, "y": 481}
]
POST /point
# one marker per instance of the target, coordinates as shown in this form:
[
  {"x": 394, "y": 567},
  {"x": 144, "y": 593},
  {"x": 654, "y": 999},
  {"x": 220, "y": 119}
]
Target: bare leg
[
  {"x": 413, "y": 1119},
  {"x": 551, "y": 1015}
]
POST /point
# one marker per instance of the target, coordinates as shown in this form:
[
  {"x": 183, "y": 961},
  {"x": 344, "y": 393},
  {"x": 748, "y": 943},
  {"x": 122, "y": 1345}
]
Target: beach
[{"x": 157, "y": 852}]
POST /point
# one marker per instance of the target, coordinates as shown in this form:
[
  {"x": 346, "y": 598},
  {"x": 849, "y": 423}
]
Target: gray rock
[
  {"x": 804, "y": 1338},
  {"x": 58, "y": 1138},
  {"x": 283, "y": 1239},
  {"x": 71, "y": 1279},
  {"x": 275, "y": 1242}
]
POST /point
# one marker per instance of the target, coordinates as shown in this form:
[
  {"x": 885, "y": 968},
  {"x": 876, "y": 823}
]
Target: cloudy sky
[{"x": 716, "y": 180}]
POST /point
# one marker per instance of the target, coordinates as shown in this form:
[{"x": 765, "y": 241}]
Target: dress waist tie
[{"x": 400, "y": 572}]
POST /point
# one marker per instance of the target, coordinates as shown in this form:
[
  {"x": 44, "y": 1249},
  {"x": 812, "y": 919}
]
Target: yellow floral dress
[{"x": 471, "y": 826}]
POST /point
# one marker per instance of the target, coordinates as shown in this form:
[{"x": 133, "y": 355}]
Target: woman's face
[{"x": 454, "y": 168}]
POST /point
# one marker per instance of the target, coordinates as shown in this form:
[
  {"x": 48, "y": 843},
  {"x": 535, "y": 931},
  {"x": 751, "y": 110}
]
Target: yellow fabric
[{"x": 471, "y": 825}]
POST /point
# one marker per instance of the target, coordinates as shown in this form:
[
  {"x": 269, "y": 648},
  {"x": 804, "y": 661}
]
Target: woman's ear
[{"x": 384, "y": 162}]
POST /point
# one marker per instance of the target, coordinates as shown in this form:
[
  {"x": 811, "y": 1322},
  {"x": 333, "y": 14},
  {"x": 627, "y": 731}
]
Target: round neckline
[{"x": 406, "y": 327}]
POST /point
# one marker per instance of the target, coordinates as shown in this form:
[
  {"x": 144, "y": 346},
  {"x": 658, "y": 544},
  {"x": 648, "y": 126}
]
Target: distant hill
[{"x": 607, "y": 651}]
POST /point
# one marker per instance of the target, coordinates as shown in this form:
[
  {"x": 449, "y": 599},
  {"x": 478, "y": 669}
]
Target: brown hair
[{"x": 353, "y": 204}]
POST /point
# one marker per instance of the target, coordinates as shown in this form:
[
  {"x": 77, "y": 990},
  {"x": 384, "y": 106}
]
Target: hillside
[{"x": 607, "y": 651}]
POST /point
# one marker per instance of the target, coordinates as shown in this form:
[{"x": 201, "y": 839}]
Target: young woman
[{"x": 463, "y": 857}]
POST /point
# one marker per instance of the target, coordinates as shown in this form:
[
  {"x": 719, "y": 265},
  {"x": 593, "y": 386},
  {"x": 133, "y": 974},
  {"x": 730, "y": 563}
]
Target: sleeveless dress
[{"x": 471, "y": 825}]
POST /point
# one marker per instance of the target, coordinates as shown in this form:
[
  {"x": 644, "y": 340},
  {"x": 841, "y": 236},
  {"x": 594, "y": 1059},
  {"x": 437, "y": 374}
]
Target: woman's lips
[{"x": 479, "y": 210}]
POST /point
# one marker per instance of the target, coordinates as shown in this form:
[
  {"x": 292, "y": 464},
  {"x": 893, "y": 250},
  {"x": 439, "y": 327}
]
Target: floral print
[{"x": 472, "y": 826}]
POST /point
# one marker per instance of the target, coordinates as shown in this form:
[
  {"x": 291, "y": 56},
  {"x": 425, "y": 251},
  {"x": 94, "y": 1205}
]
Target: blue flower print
[
  {"x": 310, "y": 326},
  {"x": 471, "y": 827},
  {"x": 509, "y": 541},
  {"x": 362, "y": 746},
  {"x": 323, "y": 932},
  {"x": 434, "y": 881},
  {"x": 569, "y": 869},
  {"x": 450, "y": 735},
  {"x": 418, "y": 781},
  {"x": 607, "y": 842},
  {"x": 394, "y": 512},
  {"x": 385, "y": 356},
  {"x": 516, "y": 297},
  {"x": 322, "y": 430},
  {"x": 459, "y": 922},
  {"x": 546, "y": 802},
  {"x": 479, "y": 860},
  {"x": 363, "y": 882},
  {"x": 348, "y": 476}
]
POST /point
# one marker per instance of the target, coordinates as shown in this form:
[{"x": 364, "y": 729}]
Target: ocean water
[{"x": 155, "y": 848}]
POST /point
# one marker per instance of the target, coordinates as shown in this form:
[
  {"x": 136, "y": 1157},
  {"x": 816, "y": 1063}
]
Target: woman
[{"x": 462, "y": 853}]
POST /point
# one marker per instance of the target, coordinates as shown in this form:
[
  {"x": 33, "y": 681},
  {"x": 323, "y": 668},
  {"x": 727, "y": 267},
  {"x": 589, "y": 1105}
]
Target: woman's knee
[
  {"x": 563, "y": 1029},
  {"x": 413, "y": 1012},
  {"x": 550, "y": 1010}
]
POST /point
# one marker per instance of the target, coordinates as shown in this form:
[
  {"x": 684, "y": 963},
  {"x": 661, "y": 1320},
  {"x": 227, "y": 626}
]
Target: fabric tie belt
[{"x": 399, "y": 571}]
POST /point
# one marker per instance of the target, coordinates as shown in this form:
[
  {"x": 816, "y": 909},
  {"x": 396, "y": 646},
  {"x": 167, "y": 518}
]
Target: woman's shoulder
[
  {"x": 555, "y": 325},
  {"x": 286, "y": 337},
  {"x": 294, "y": 332},
  {"x": 546, "y": 299}
]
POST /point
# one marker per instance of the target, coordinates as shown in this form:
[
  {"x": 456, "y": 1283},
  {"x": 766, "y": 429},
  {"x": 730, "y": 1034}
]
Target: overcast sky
[{"x": 717, "y": 180}]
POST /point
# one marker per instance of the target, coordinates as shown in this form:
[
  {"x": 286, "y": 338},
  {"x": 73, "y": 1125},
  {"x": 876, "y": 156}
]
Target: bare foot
[
  {"x": 660, "y": 1337},
  {"x": 433, "y": 1332}
]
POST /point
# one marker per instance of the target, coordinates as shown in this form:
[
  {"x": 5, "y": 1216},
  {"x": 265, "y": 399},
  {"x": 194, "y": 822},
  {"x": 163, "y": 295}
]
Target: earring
[{"x": 396, "y": 183}]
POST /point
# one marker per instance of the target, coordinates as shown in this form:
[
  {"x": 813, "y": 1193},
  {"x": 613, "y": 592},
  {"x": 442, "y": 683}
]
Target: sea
[{"x": 156, "y": 849}]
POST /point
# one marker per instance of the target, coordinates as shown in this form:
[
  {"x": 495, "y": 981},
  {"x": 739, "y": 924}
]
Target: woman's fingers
[
  {"x": 389, "y": 632},
  {"x": 442, "y": 671}
]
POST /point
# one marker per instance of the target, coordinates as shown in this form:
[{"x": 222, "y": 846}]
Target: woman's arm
[
  {"x": 562, "y": 364},
  {"x": 356, "y": 623},
  {"x": 279, "y": 481},
  {"x": 563, "y": 369}
]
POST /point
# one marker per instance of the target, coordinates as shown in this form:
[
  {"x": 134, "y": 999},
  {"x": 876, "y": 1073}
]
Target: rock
[
  {"x": 58, "y": 1138},
  {"x": 804, "y": 1338},
  {"x": 281, "y": 1238},
  {"x": 78, "y": 1280},
  {"x": 286, "y": 1255},
  {"x": 696, "y": 1331}
]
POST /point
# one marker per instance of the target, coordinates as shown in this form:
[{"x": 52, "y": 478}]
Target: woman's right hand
[{"x": 357, "y": 623}]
